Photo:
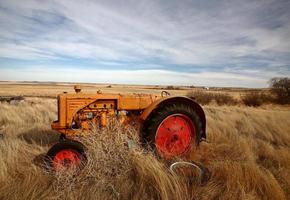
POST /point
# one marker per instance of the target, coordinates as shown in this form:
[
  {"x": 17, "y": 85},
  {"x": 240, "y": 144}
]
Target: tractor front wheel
[
  {"x": 173, "y": 129},
  {"x": 66, "y": 155}
]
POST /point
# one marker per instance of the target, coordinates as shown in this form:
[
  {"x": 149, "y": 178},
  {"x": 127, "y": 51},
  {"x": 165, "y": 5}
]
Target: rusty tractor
[{"x": 170, "y": 125}]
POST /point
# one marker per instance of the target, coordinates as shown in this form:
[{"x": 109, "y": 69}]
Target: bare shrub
[
  {"x": 280, "y": 86},
  {"x": 170, "y": 87},
  {"x": 200, "y": 96},
  {"x": 252, "y": 99},
  {"x": 257, "y": 98},
  {"x": 204, "y": 97},
  {"x": 224, "y": 99}
]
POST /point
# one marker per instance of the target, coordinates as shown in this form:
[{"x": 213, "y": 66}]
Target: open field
[
  {"x": 248, "y": 155},
  {"x": 53, "y": 89},
  {"x": 39, "y": 89}
]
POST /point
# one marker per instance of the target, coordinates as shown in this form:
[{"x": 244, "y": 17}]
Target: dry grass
[
  {"x": 38, "y": 89},
  {"x": 253, "y": 98},
  {"x": 248, "y": 156},
  {"x": 258, "y": 98},
  {"x": 52, "y": 90},
  {"x": 205, "y": 97}
]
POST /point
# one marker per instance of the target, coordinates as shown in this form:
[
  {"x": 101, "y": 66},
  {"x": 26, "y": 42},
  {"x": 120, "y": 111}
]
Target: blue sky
[{"x": 211, "y": 43}]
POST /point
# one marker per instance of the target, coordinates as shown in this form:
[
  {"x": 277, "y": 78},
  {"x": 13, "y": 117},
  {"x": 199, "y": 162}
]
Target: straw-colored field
[
  {"x": 36, "y": 89},
  {"x": 248, "y": 155},
  {"x": 53, "y": 89}
]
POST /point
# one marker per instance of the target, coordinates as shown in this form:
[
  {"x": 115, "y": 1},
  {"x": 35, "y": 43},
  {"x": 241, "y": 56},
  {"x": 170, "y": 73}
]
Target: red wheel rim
[
  {"x": 66, "y": 159},
  {"x": 174, "y": 135}
]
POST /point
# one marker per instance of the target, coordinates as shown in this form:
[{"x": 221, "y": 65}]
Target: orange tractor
[{"x": 170, "y": 125}]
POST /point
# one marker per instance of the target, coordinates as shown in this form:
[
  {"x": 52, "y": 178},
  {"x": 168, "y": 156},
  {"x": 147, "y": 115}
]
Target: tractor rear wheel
[
  {"x": 66, "y": 155},
  {"x": 173, "y": 129}
]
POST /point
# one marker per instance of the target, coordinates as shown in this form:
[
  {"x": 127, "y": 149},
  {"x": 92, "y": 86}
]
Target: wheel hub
[
  {"x": 66, "y": 159},
  {"x": 174, "y": 135}
]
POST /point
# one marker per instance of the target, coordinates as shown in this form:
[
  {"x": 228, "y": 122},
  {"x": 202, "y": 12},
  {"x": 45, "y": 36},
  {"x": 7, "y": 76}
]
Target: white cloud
[
  {"x": 219, "y": 35},
  {"x": 152, "y": 77}
]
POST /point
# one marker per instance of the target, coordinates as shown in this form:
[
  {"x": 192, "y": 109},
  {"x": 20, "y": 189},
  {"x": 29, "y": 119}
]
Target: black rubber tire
[
  {"x": 62, "y": 145},
  {"x": 151, "y": 125}
]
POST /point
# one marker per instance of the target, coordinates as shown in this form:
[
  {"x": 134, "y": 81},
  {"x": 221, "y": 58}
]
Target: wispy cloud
[
  {"x": 149, "y": 76},
  {"x": 237, "y": 43}
]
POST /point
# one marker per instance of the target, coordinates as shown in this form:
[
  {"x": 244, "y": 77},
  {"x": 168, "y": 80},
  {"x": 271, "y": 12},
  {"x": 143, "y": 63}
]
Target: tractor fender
[{"x": 178, "y": 99}]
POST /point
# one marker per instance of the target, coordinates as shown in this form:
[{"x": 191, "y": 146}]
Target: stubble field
[{"x": 248, "y": 155}]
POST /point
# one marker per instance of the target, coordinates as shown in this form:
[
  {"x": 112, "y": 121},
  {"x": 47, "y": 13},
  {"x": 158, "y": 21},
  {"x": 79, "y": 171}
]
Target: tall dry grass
[
  {"x": 205, "y": 97},
  {"x": 248, "y": 155}
]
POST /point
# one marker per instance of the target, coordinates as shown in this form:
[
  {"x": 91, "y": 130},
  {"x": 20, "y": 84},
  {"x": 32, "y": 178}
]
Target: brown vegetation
[
  {"x": 52, "y": 90},
  {"x": 248, "y": 156},
  {"x": 253, "y": 98},
  {"x": 280, "y": 86},
  {"x": 205, "y": 97},
  {"x": 257, "y": 98}
]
